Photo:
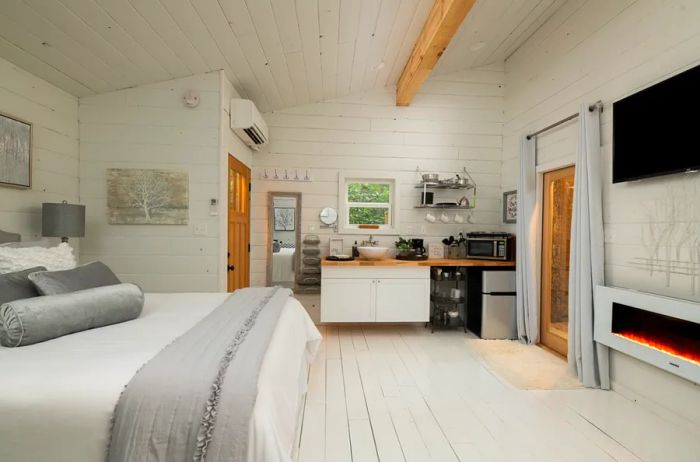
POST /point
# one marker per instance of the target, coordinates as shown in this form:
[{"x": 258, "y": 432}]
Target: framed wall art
[
  {"x": 147, "y": 197},
  {"x": 284, "y": 218},
  {"x": 15, "y": 152},
  {"x": 510, "y": 206}
]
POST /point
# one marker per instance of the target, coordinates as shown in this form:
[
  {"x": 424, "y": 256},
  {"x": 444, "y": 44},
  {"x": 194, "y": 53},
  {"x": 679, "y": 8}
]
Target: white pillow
[
  {"x": 43, "y": 242},
  {"x": 52, "y": 258}
]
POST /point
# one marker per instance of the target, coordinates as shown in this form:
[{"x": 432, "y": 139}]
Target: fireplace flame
[{"x": 659, "y": 345}]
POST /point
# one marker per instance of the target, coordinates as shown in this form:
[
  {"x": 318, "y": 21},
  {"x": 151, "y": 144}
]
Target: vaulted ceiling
[{"x": 279, "y": 53}]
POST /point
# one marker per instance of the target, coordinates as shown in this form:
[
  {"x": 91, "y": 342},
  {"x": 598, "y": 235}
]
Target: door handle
[{"x": 230, "y": 267}]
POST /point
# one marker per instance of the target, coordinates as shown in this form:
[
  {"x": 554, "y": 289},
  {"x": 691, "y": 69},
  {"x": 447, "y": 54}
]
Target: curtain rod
[{"x": 597, "y": 105}]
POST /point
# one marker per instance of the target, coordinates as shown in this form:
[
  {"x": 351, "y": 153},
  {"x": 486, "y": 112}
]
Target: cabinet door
[
  {"x": 347, "y": 300},
  {"x": 403, "y": 300}
]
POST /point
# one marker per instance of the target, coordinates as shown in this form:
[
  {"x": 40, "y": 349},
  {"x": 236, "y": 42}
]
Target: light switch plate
[{"x": 200, "y": 229}]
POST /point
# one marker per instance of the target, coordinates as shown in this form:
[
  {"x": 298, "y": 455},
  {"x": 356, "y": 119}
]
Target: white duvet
[
  {"x": 57, "y": 397},
  {"x": 283, "y": 265}
]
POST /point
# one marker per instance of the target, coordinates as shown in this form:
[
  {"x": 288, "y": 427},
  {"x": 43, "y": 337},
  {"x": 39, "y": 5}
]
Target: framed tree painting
[
  {"x": 510, "y": 206},
  {"x": 284, "y": 218},
  {"x": 147, "y": 197},
  {"x": 15, "y": 152}
]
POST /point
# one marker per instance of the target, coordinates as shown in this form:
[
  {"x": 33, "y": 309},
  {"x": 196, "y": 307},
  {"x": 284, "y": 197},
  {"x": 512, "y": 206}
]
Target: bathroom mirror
[
  {"x": 328, "y": 216},
  {"x": 284, "y": 238}
]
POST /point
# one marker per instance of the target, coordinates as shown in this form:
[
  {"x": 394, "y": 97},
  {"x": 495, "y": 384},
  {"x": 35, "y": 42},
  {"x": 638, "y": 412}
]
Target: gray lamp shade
[{"x": 62, "y": 220}]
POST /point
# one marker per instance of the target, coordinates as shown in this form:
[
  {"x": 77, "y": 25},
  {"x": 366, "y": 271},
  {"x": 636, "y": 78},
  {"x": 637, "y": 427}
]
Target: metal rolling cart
[{"x": 447, "y": 296}]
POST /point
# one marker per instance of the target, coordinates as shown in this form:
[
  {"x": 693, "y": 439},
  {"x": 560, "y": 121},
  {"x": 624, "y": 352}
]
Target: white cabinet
[
  {"x": 402, "y": 300},
  {"x": 352, "y": 300},
  {"x": 375, "y": 294}
]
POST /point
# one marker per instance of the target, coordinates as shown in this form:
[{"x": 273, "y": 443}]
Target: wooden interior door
[
  {"x": 238, "y": 262},
  {"x": 557, "y": 211}
]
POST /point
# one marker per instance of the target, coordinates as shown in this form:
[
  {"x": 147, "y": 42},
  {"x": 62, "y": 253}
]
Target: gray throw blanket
[{"x": 193, "y": 401}]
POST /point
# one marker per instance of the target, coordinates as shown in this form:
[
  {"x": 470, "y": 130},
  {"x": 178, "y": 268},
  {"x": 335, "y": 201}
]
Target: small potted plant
[{"x": 404, "y": 249}]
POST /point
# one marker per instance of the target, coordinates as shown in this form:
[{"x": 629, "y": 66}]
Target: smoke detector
[{"x": 191, "y": 98}]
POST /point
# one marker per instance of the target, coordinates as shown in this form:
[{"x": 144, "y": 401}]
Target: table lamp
[{"x": 62, "y": 220}]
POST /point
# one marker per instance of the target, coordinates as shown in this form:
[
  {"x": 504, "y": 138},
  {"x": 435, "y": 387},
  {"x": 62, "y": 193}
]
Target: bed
[
  {"x": 283, "y": 265},
  {"x": 59, "y": 396}
]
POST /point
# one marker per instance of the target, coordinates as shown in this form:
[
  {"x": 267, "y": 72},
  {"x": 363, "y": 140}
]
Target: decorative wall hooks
[{"x": 285, "y": 175}]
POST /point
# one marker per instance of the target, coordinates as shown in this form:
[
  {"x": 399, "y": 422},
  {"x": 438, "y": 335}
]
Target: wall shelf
[
  {"x": 442, "y": 207},
  {"x": 448, "y": 185},
  {"x": 444, "y": 185}
]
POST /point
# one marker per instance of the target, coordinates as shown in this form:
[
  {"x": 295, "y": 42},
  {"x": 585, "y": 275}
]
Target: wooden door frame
[
  {"x": 224, "y": 205},
  {"x": 540, "y": 170},
  {"x": 557, "y": 343},
  {"x": 271, "y": 228}
]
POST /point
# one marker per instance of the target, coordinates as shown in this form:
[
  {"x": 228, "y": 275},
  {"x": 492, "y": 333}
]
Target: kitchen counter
[{"x": 430, "y": 262}]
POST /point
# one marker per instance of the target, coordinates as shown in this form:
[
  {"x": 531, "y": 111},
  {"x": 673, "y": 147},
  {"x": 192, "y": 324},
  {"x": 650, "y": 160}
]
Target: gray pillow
[
  {"x": 95, "y": 274},
  {"x": 14, "y": 286},
  {"x": 33, "y": 320}
]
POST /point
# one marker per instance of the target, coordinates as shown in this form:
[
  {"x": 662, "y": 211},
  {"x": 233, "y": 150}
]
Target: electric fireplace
[{"x": 659, "y": 330}]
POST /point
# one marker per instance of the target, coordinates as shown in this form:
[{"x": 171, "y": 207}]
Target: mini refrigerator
[{"x": 491, "y": 304}]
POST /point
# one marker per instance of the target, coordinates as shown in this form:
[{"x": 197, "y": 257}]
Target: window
[{"x": 368, "y": 201}]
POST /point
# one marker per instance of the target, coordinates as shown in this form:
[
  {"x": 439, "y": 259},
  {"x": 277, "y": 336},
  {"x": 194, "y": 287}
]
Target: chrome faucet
[{"x": 370, "y": 242}]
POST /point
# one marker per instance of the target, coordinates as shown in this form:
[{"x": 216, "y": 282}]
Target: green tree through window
[
  {"x": 369, "y": 203},
  {"x": 369, "y": 192}
]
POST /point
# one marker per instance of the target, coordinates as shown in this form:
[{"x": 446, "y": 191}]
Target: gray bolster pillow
[{"x": 34, "y": 320}]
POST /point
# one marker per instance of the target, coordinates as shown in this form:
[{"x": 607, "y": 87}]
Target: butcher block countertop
[{"x": 429, "y": 262}]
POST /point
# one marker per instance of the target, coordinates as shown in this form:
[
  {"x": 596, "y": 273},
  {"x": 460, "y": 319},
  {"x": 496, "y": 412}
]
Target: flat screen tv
[{"x": 657, "y": 130}]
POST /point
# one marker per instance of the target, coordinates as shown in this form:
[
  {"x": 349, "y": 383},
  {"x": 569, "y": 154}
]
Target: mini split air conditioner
[{"x": 247, "y": 123}]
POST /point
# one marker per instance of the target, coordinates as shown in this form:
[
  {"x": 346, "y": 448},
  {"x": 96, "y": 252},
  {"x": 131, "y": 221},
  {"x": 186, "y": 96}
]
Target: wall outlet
[{"x": 200, "y": 229}]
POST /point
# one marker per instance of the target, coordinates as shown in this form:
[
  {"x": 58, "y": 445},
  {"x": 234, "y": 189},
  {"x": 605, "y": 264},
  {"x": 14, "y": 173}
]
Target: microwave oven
[{"x": 490, "y": 246}]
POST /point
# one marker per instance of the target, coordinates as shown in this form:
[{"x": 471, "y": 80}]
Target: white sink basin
[{"x": 373, "y": 253}]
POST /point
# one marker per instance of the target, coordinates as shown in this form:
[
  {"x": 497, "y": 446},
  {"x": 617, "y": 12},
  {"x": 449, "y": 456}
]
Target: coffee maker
[{"x": 417, "y": 245}]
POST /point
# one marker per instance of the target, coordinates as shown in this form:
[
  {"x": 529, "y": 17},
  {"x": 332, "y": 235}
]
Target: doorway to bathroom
[{"x": 557, "y": 209}]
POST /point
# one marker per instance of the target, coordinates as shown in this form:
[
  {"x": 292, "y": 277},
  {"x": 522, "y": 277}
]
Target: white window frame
[{"x": 343, "y": 210}]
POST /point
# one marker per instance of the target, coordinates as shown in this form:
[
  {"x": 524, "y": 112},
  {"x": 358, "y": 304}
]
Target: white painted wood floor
[{"x": 395, "y": 393}]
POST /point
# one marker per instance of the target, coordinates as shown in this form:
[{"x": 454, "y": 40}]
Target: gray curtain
[
  {"x": 587, "y": 359},
  {"x": 527, "y": 300}
]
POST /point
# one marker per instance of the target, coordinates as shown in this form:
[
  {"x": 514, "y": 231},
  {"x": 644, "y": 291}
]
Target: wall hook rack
[{"x": 286, "y": 176}]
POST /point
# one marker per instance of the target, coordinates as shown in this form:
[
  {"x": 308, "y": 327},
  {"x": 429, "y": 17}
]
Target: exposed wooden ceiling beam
[{"x": 443, "y": 21}]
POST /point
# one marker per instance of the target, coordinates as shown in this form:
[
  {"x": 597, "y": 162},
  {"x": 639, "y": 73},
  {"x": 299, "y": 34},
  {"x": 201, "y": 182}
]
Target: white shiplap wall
[
  {"x": 149, "y": 127},
  {"x": 229, "y": 145},
  {"x": 455, "y": 121},
  {"x": 598, "y": 49},
  {"x": 54, "y": 117}
]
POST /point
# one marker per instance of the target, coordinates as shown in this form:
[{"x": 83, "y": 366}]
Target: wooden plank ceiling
[{"x": 279, "y": 53}]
